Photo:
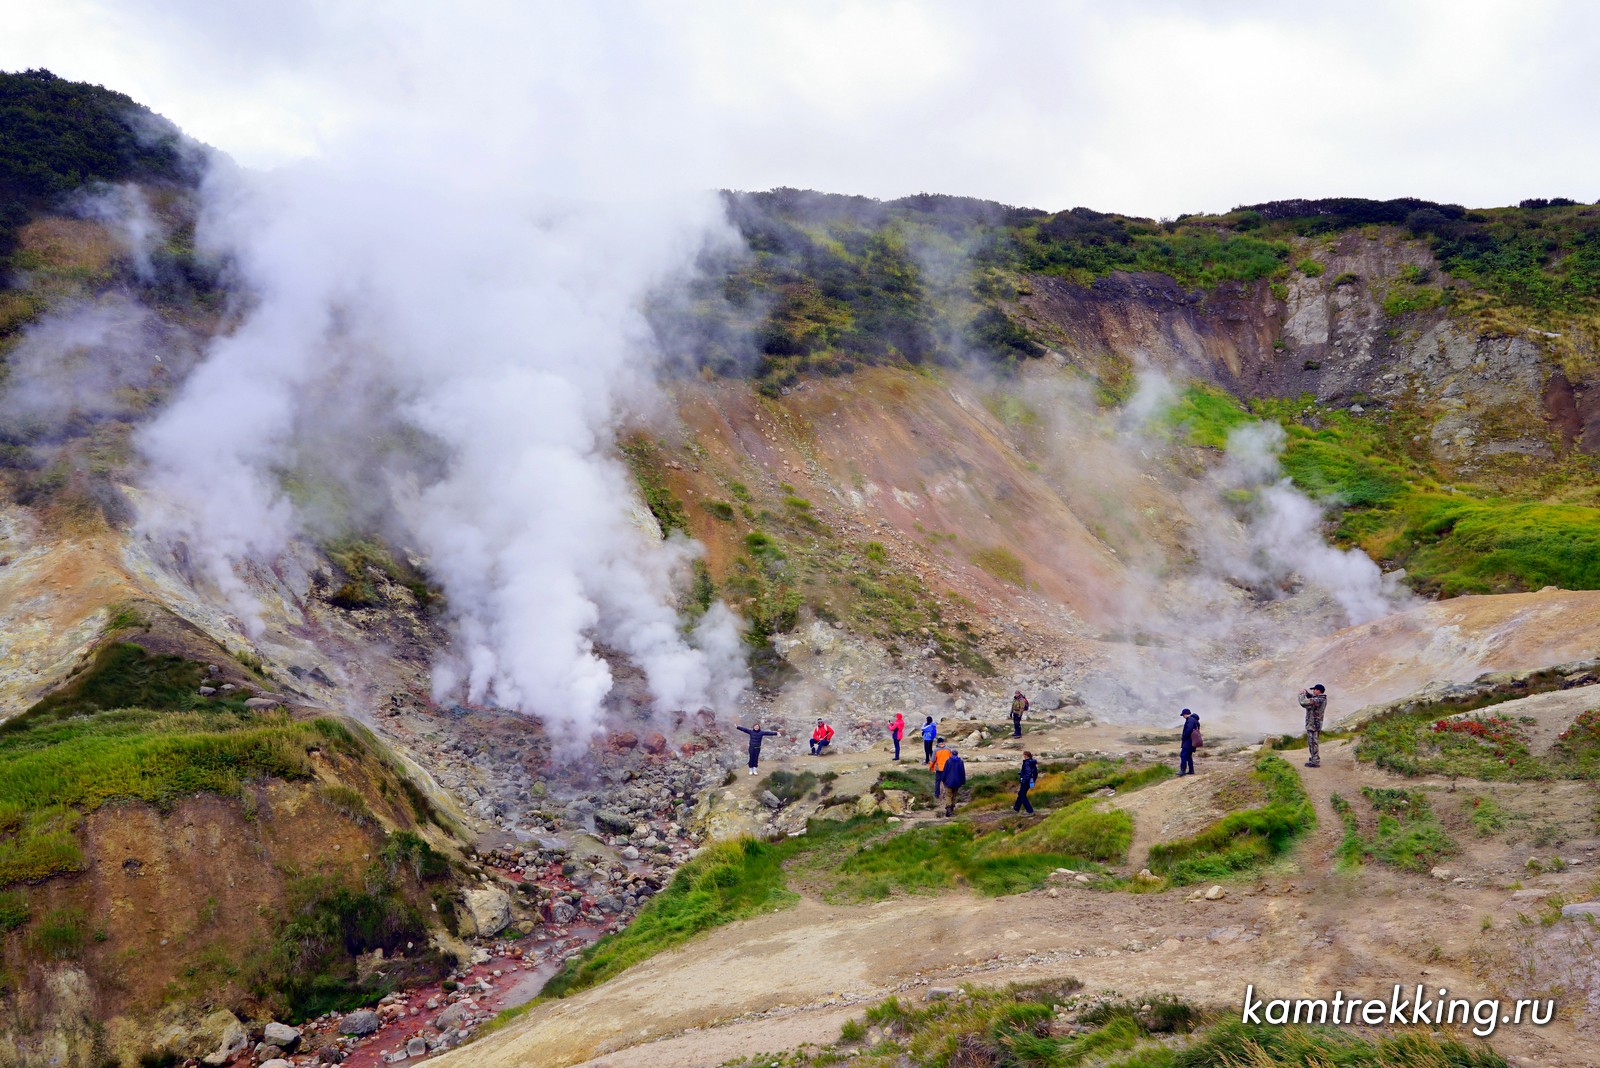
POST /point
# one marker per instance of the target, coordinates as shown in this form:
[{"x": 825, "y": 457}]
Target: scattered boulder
[
  {"x": 1591, "y": 909},
  {"x": 896, "y": 802},
  {"x": 1216, "y": 893},
  {"x": 451, "y": 1019},
  {"x": 281, "y": 1035},
  {"x": 231, "y": 1039},
  {"x": 360, "y": 1022},
  {"x": 866, "y": 805},
  {"x": 488, "y": 910},
  {"x": 771, "y": 800},
  {"x": 612, "y": 822},
  {"x": 257, "y": 703},
  {"x": 1441, "y": 873},
  {"x": 1147, "y": 876},
  {"x": 277, "y": 1062},
  {"x": 417, "y": 1047}
]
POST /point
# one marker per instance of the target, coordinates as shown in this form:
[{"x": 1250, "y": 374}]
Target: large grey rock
[
  {"x": 417, "y": 1047},
  {"x": 281, "y": 1035},
  {"x": 232, "y": 1038},
  {"x": 613, "y": 822},
  {"x": 452, "y": 1018},
  {"x": 1591, "y": 909},
  {"x": 488, "y": 910},
  {"x": 360, "y": 1022},
  {"x": 770, "y": 799},
  {"x": 277, "y": 1062}
]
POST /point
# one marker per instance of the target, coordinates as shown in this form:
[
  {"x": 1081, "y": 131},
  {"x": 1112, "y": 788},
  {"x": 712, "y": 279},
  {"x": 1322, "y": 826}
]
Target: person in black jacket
[
  {"x": 1025, "y": 780},
  {"x": 954, "y": 777},
  {"x": 756, "y": 734},
  {"x": 1191, "y": 723}
]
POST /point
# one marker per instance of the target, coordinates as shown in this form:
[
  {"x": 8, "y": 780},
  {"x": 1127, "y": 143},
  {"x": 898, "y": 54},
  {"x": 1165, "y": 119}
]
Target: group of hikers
[{"x": 950, "y": 771}]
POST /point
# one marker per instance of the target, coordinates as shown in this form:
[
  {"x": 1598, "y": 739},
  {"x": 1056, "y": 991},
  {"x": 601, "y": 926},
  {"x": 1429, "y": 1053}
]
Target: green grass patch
[
  {"x": 727, "y": 881},
  {"x": 14, "y": 910},
  {"x": 1407, "y": 835},
  {"x": 645, "y": 462},
  {"x": 1388, "y": 499},
  {"x": 60, "y": 934},
  {"x": 362, "y": 561},
  {"x": 310, "y": 967},
  {"x": 77, "y": 750},
  {"x": 1480, "y": 746},
  {"x": 1002, "y": 563},
  {"x": 1244, "y": 840},
  {"x": 790, "y": 786},
  {"x": 122, "y": 675},
  {"x": 1055, "y": 1026}
]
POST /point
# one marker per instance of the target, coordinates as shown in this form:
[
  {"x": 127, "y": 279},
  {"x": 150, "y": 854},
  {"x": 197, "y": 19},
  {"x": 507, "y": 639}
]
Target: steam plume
[{"x": 446, "y": 345}]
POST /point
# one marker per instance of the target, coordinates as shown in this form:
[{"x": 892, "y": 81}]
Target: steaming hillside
[{"x": 481, "y": 529}]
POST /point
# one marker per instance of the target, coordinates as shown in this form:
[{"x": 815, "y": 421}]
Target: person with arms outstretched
[{"x": 756, "y": 734}]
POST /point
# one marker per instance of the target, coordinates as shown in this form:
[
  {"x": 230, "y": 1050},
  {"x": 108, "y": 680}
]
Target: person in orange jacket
[
  {"x": 940, "y": 755},
  {"x": 897, "y": 731},
  {"x": 820, "y": 738}
]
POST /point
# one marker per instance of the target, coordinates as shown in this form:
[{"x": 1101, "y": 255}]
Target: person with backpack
[
  {"x": 1019, "y": 705},
  {"x": 1315, "y": 702},
  {"x": 1025, "y": 780},
  {"x": 954, "y": 777},
  {"x": 756, "y": 735},
  {"x": 930, "y": 731},
  {"x": 936, "y": 763},
  {"x": 1189, "y": 742},
  {"x": 897, "y": 731},
  {"x": 820, "y": 738}
]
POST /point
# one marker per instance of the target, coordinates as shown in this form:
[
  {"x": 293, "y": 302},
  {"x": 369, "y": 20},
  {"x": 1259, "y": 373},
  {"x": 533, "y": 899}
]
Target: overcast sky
[{"x": 1151, "y": 108}]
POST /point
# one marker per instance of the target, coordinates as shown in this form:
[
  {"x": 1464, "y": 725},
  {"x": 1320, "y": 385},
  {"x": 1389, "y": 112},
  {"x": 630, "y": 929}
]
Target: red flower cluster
[
  {"x": 1495, "y": 730},
  {"x": 1586, "y": 728}
]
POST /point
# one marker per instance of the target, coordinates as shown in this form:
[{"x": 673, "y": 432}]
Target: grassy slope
[
  {"x": 131, "y": 726},
  {"x": 1451, "y": 540}
]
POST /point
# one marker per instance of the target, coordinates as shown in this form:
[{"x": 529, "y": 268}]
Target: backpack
[{"x": 1195, "y": 741}]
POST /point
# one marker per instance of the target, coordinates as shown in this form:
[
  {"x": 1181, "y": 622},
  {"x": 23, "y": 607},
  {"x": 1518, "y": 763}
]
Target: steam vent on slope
[{"x": 378, "y": 605}]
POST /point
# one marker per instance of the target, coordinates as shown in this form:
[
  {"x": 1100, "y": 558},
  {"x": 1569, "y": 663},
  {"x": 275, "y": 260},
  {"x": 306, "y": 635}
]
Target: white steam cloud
[
  {"x": 443, "y": 331},
  {"x": 1285, "y": 533}
]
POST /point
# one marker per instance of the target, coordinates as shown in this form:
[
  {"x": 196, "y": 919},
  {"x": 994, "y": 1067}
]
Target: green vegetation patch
[
  {"x": 1482, "y": 746},
  {"x": 1243, "y": 840},
  {"x": 1055, "y": 1026},
  {"x": 57, "y": 135},
  {"x": 328, "y": 921},
  {"x": 78, "y": 750},
  {"x": 645, "y": 462},
  {"x": 727, "y": 881},
  {"x": 1387, "y": 500},
  {"x": 1407, "y": 835},
  {"x": 362, "y": 561}
]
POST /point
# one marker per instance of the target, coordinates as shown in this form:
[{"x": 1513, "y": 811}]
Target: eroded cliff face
[{"x": 1485, "y": 387}]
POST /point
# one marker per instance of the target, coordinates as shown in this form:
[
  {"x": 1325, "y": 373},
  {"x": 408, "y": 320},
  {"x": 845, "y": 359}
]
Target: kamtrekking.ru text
[{"x": 1404, "y": 1007}]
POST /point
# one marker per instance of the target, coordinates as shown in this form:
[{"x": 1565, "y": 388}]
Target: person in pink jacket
[{"x": 897, "y": 731}]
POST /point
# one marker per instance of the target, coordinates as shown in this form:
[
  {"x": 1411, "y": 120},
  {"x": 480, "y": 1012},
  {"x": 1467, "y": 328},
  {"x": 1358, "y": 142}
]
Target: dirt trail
[{"x": 776, "y": 981}]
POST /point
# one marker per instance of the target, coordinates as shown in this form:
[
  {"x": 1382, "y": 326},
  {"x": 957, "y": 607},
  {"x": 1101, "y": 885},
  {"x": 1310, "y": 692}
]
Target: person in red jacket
[
  {"x": 897, "y": 731},
  {"x": 820, "y": 738}
]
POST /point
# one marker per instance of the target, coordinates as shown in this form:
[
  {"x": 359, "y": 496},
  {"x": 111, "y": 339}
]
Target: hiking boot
[{"x": 1309, "y": 764}]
